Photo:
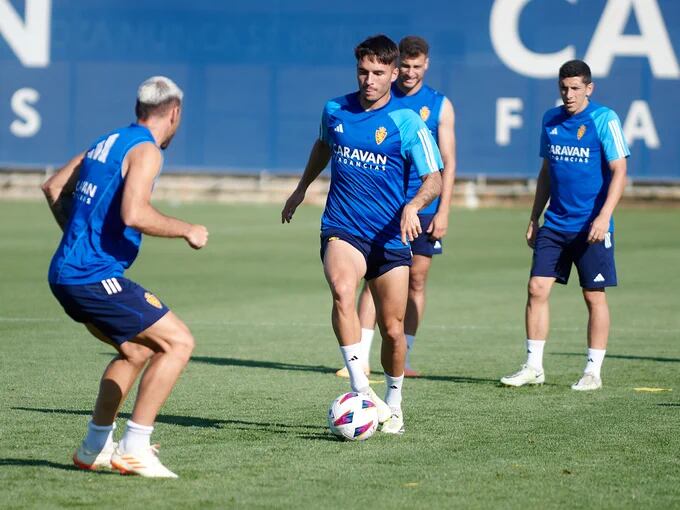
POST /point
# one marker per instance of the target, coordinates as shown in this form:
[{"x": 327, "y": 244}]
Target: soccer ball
[{"x": 353, "y": 417}]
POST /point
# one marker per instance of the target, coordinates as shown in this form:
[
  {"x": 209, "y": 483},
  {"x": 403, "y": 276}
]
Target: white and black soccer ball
[{"x": 353, "y": 417}]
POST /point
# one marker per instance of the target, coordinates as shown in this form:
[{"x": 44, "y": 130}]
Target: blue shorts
[
  {"x": 555, "y": 252},
  {"x": 118, "y": 307},
  {"x": 423, "y": 244},
  {"x": 379, "y": 260}
]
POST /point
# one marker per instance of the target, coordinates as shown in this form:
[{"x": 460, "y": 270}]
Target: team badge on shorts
[
  {"x": 153, "y": 300},
  {"x": 380, "y": 135},
  {"x": 424, "y": 113},
  {"x": 581, "y": 131},
  {"x": 334, "y": 238}
]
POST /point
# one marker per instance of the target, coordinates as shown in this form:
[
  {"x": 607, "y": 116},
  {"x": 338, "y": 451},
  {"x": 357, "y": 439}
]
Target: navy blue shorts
[
  {"x": 555, "y": 252},
  {"x": 423, "y": 244},
  {"x": 378, "y": 259},
  {"x": 118, "y": 307}
]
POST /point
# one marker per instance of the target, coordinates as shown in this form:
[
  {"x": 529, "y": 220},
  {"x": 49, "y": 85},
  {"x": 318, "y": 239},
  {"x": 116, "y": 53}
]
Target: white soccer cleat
[
  {"x": 588, "y": 382},
  {"x": 395, "y": 423},
  {"x": 144, "y": 463},
  {"x": 92, "y": 460},
  {"x": 526, "y": 375},
  {"x": 384, "y": 411},
  {"x": 343, "y": 372}
]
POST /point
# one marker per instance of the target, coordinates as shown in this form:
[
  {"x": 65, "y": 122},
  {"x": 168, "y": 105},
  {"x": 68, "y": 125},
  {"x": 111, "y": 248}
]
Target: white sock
[
  {"x": 136, "y": 437},
  {"x": 535, "y": 354},
  {"x": 99, "y": 436},
  {"x": 410, "y": 340},
  {"x": 393, "y": 395},
  {"x": 352, "y": 355},
  {"x": 366, "y": 341},
  {"x": 594, "y": 363}
]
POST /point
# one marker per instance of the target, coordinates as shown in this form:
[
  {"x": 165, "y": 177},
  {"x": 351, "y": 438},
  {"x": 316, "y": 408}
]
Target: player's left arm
[
  {"x": 446, "y": 136},
  {"x": 59, "y": 189},
  {"x": 600, "y": 225}
]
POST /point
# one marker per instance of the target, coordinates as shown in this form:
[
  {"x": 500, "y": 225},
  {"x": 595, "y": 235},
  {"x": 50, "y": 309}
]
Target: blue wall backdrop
[{"x": 256, "y": 74}]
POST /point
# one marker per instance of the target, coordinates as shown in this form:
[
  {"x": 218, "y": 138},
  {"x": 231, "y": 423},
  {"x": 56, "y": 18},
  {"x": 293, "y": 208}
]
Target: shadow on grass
[
  {"x": 275, "y": 365},
  {"x": 193, "y": 421},
  {"x": 46, "y": 463},
  {"x": 669, "y": 405},
  {"x": 235, "y": 362},
  {"x": 622, "y": 356}
]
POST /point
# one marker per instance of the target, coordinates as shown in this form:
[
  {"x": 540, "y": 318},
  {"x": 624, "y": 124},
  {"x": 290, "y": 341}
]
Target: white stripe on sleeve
[
  {"x": 618, "y": 138},
  {"x": 427, "y": 149}
]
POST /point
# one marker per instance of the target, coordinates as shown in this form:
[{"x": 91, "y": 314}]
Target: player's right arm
[
  {"x": 140, "y": 168},
  {"x": 59, "y": 189},
  {"x": 318, "y": 159},
  {"x": 540, "y": 199}
]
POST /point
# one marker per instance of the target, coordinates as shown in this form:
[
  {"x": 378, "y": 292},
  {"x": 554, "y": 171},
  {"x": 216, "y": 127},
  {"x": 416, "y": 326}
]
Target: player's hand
[
  {"x": 410, "y": 224},
  {"x": 291, "y": 205},
  {"x": 598, "y": 228},
  {"x": 439, "y": 225},
  {"x": 197, "y": 236},
  {"x": 532, "y": 230}
]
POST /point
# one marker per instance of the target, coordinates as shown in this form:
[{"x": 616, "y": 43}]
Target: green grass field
[{"x": 245, "y": 427}]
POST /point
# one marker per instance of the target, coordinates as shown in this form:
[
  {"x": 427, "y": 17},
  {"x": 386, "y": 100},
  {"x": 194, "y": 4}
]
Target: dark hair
[
  {"x": 146, "y": 110},
  {"x": 378, "y": 47},
  {"x": 413, "y": 46},
  {"x": 575, "y": 68}
]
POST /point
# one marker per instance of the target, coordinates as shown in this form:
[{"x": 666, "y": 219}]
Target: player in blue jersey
[
  {"x": 583, "y": 174},
  {"x": 372, "y": 143},
  {"x": 437, "y": 112},
  {"x": 101, "y": 201}
]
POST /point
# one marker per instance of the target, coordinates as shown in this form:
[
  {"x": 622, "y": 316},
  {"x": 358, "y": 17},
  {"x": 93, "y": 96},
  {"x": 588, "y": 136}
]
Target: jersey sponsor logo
[
  {"x": 339, "y": 129},
  {"x": 101, "y": 151},
  {"x": 424, "y": 113},
  {"x": 360, "y": 158},
  {"x": 85, "y": 191},
  {"x": 581, "y": 131},
  {"x": 553, "y": 131},
  {"x": 569, "y": 153},
  {"x": 380, "y": 135},
  {"x": 153, "y": 300}
]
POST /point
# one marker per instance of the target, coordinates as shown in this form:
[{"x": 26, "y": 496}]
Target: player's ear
[
  {"x": 427, "y": 63},
  {"x": 395, "y": 74},
  {"x": 590, "y": 88}
]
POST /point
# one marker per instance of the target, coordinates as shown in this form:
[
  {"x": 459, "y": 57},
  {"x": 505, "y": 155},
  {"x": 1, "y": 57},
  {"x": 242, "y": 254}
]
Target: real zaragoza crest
[
  {"x": 380, "y": 135},
  {"x": 424, "y": 113},
  {"x": 581, "y": 131},
  {"x": 152, "y": 300}
]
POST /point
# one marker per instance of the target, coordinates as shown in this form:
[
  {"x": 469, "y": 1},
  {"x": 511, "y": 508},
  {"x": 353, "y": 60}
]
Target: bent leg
[
  {"x": 344, "y": 267},
  {"x": 118, "y": 378},
  {"x": 390, "y": 291},
  {"x": 417, "y": 282},
  {"x": 171, "y": 341}
]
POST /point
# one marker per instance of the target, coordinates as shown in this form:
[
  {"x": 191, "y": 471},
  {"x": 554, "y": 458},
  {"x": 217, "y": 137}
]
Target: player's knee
[
  {"x": 394, "y": 332},
  {"x": 137, "y": 354},
  {"x": 416, "y": 284},
  {"x": 343, "y": 293},
  {"x": 594, "y": 298},
  {"x": 538, "y": 289}
]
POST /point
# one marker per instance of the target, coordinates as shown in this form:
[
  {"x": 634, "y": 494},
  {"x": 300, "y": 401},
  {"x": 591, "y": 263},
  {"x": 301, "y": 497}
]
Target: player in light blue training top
[
  {"x": 101, "y": 200},
  {"x": 584, "y": 173},
  {"x": 437, "y": 112},
  {"x": 373, "y": 143}
]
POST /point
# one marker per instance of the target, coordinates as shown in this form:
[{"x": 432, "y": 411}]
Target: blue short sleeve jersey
[
  {"x": 96, "y": 243},
  {"x": 427, "y": 103},
  {"x": 372, "y": 153},
  {"x": 579, "y": 148}
]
